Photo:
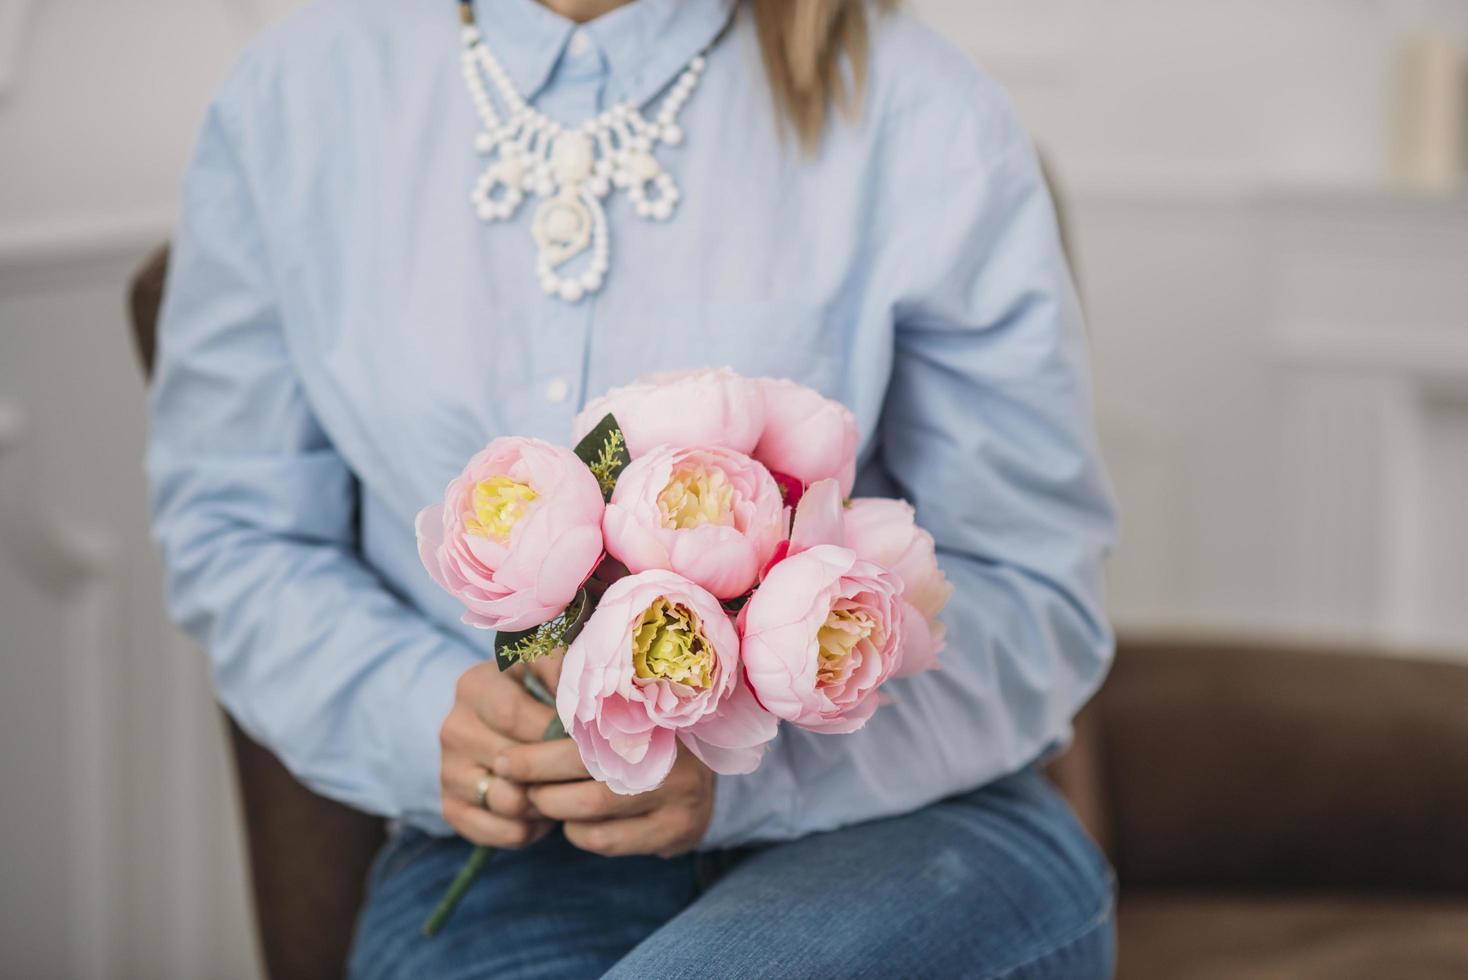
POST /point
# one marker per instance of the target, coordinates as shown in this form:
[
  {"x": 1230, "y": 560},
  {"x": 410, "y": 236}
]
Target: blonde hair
[{"x": 809, "y": 47}]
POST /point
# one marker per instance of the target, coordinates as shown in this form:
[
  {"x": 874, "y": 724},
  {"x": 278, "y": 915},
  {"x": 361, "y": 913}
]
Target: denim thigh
[
  {"x": 547, "y": 911},
  {"x": 999, "y": 882}
]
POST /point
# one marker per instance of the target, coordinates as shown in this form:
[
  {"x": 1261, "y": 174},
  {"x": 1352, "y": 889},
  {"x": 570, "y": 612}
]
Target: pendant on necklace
[
  {"x": 570, "y": 170},
  {"x": 562, "y": 228}
]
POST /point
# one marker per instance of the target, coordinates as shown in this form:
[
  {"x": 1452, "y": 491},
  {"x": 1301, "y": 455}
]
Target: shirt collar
[{"x": 646, "y": 43}]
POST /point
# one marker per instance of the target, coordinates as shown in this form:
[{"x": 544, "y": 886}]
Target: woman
[{"x": 400, "y": 240}]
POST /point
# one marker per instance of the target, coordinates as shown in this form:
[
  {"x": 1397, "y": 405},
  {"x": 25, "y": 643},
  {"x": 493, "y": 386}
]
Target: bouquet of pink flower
[{"x": 700, "y": 564}]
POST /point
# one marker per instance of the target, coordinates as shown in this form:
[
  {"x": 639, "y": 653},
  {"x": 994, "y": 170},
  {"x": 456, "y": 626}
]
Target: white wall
[
  {"x": 121, "y": 852},
  {"x": 1280, "y": 357},
  {"x": 1280, "y": 337},
  {"x": 1193, "y": 96},
  {"x": 121, "y": 857}
]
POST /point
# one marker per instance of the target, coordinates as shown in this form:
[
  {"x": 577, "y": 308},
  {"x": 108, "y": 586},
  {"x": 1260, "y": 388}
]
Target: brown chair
[
  {"x": 1271, "y": 810},
  {"x": 308, "y": 855},
  {"x": 1280, "y": 811}
]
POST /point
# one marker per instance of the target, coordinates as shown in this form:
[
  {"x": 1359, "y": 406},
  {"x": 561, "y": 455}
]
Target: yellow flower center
[
  {"x": 669, "y": 644},
  {"x": 498, "y": 503},
  {"x": 697, "y": 495},
  {"x": 838, "y": 637}
]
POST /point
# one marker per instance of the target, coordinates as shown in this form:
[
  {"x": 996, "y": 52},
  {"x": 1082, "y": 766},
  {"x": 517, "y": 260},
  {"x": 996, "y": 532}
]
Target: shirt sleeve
[
  {"x": 986, "y": 429},
  {"x": 255, "y": 514}
]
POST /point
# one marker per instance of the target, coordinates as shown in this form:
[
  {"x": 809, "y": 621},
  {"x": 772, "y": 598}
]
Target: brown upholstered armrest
[
  {"x": 145, "y": 300},
  {"x": 308, "y": 863},
  {"x": 1248, "y": 764}
]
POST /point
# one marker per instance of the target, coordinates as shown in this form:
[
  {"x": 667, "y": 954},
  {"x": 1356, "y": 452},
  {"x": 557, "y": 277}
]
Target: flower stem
[
  {"x": 446, "y": 905},
  {"x": 539, "y": 691},
  {"x": 480, "y": 856}
]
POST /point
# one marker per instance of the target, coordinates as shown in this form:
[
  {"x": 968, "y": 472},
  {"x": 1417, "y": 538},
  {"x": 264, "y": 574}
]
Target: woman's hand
[
  {"x": 496, "y": 726},
  {"x": 667, "y": 821},
  {"x": 492, "y": 713}
]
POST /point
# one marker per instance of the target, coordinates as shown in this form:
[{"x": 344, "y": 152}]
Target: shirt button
[
  {"x": 557, "y": 390},
  {"x": 580, "y": 44}
]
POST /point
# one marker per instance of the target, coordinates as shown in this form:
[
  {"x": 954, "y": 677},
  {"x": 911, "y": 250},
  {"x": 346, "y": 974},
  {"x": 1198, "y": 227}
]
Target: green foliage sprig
[
  {"x": 545, "y": 639},
  {"x": 604, "y": 451},
  {"x": 609, "y": 461}
]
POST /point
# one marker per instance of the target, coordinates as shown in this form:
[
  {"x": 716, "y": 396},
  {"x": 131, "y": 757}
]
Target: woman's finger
[
  {"x": 510, "y": 710},
  {"x": 587, "y": 799},
  {"x": 479, "y": 826},
  {"x": 665, "y": 831},
  {"x": 543, "y": 762},
  {"x": 463, "y": 779},
  {"x": 465, "y": 735}
]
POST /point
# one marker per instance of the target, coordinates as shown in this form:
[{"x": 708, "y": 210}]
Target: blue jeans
[{"x": 999, "y": 882}]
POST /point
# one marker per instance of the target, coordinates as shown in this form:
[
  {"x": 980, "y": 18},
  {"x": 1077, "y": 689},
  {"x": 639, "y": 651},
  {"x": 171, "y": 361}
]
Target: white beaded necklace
[{"x": 570, "y": 170}]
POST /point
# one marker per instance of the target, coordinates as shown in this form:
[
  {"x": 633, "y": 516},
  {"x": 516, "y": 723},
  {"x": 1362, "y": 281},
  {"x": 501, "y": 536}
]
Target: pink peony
[
  {"x": 819, "y": 518},
  {"x": 806, "y": 435},
  {"x": 657, "y": 663},
  {"x": 683, "y": 409},
  {"x": 517, "y": 533},
  {"x": 885, "y": 531},
  {"x": 714, "y": 516},
  {"x": 821, "y": 634}
]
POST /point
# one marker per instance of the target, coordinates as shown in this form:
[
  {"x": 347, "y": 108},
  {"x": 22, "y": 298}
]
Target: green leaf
[
  {"x": 576, "y": 615},
  {"x": 511, "y": 648},
  {"x": 737, "y": 603},
  {"x": 604, "y": 451}
]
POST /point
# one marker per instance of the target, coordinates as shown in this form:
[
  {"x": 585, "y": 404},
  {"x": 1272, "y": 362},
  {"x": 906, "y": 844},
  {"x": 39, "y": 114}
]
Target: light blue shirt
[{"x": 341, "y": 332}]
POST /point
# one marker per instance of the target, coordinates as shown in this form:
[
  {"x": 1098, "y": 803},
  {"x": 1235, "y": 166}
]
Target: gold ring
[{"x": 481, "y": 791}]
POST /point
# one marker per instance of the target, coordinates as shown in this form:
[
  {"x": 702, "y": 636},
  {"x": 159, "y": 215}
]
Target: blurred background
[{"x": 1267, "y": 208}]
